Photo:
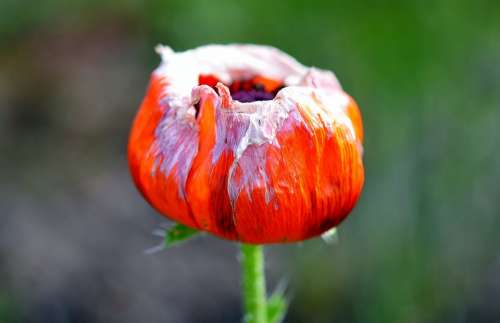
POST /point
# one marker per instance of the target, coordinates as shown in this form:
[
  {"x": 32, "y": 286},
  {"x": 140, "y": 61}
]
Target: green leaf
[
  {"x": 276, "y": 306},
  {"x": 178, "y": 234}
]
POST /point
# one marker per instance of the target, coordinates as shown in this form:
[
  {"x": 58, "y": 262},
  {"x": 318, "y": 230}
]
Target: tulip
[{"x": 246, "y": 143}]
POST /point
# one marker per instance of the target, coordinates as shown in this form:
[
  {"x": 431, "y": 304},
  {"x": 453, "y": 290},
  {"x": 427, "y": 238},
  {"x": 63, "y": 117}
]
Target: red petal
[
  {"x": 314, "y": 179},
  {"x": 162, "y": 188}
]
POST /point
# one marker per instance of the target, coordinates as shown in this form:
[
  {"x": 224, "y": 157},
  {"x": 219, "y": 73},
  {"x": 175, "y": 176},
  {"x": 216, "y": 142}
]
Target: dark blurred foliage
[{"x": 423, "y": 244}]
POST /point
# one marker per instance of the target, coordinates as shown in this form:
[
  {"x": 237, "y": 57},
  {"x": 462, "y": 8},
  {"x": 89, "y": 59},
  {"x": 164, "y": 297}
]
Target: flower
[{"x": 246, "y": 143}]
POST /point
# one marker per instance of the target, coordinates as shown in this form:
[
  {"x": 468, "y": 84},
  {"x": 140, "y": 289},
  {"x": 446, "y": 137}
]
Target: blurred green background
[{"x": 423, "y": 244}]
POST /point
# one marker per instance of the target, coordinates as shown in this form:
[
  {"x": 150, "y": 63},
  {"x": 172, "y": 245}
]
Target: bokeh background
[{"x": 423, "y": 244}]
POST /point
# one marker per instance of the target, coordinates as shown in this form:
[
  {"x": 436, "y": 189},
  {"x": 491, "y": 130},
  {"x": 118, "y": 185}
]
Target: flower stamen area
[{"x": 258, "y": 88}]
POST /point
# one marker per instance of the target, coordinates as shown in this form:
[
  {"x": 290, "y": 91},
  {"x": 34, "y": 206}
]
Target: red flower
[{"x": 246, "y": 143}]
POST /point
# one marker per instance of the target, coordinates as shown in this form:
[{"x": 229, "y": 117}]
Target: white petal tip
[
  {"x": 330, "y": 236},
  {"x": 164, "y": 51}
]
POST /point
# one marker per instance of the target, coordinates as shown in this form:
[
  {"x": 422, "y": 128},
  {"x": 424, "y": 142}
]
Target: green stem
[{"x": 254, "y": 284}]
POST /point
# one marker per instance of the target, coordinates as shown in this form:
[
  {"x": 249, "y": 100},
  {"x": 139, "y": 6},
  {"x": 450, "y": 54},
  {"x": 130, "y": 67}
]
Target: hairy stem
[{"x": 254, "y": 284}]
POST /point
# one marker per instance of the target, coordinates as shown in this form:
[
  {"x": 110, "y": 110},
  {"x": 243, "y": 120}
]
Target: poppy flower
[{"x": 246, "y": 143}]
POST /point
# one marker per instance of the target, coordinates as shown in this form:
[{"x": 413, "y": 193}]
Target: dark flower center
[{"x": 255, "y": 89}]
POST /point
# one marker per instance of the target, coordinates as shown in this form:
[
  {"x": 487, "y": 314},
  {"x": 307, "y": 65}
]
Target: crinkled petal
[{"x": 281, "y": 170}]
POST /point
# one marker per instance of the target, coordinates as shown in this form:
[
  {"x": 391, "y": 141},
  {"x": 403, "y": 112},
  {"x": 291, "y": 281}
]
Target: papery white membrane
[
  {"x": 234, "y": 62},
  {"x": 315, "y": 92}
]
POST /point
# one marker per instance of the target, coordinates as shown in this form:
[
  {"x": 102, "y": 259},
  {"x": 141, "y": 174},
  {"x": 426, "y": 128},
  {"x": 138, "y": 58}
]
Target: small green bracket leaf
[
  {"x": 277, "y": 306},
  {"x": 330, "y": 236},
  {"x": 178, "y": 234}
]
